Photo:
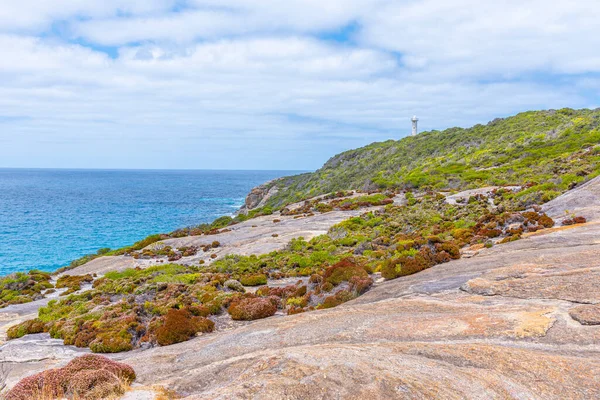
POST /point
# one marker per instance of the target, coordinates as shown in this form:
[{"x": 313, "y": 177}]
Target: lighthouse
[{"x": 415, "y": 128}]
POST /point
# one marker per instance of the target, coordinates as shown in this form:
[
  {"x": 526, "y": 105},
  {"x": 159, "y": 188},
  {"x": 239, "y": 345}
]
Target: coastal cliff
[{"x": 258, "y": 196}]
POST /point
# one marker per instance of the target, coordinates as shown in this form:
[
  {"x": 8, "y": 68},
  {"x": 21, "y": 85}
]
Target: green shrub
[
  {"x": 221, "y": 222},
  {"x": 112, "y": 342},
  {"x": 253, "y": 280}
]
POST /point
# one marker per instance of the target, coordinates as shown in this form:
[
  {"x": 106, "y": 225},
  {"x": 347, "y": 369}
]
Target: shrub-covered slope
[{"x": 551, "y": 150}]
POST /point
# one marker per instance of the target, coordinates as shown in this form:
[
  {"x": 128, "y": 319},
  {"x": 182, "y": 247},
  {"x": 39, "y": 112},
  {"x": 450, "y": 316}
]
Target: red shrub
[
  {"x": 283, "y": 292},
  {"x": 360, "y": 285},
  {"x": 343, "y": 271},
  {"x": 88, "y": 377},
  {"x": 574, "y": 220}
]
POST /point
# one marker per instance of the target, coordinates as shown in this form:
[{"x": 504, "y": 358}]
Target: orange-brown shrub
[
  {"x": 295, "y": 310},
  {"x": 490, "y": 233},
  {"x": 199, "y": 310},
  {"x": 546, "y": 221},
  {"x": 181, "y": 325},
  {"x": 25, "y": 328},
  {"x": 248, "y": 309},
  {"x": 87, "y": 333},
  {"x": 73, "y": 283},
  {"x": 509, "y": 239},
  {"x": 452, "y": 249},
  {"x": 111, "y": 342},
  {"x": 442, "y": 257},
  {"x": 402, "y": 266},
  {"x": 340, "y": 297}
]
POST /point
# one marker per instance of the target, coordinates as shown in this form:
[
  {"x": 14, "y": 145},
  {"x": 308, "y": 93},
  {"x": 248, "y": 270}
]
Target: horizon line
[{"x": 148, "y": 169}]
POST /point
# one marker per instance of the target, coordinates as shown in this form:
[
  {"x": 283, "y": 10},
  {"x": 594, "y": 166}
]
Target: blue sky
[{"x": 242, "y": 84}]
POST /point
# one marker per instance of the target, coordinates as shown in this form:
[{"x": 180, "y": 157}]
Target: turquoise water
[{"x": 51, "y": 217}]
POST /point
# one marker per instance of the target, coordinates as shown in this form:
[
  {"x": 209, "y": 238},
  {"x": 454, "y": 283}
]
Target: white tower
[{"x": 415, "y": 129}]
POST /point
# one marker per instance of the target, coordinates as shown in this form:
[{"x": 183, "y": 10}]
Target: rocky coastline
[{"x": 528, "y": 303}]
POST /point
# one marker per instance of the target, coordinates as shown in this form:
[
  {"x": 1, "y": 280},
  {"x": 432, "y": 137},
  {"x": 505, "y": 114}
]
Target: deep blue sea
[{"x": 50, "y": 217}]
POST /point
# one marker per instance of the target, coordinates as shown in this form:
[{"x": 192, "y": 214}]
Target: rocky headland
[{"x": 437, "y": 279}]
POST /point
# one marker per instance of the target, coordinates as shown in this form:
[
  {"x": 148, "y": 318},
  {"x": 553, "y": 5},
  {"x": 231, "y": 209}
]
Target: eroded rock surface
[
  {"x": 582, "y": 201},
  {"x": 587, "y": 314},
  {"x": 256, "y": 236},
  {"x": 259, "y": 196},
  {"x": 508, "y": 323},
  {"x": 517, "y": 321},
  {"x": 34, "y": 353}
]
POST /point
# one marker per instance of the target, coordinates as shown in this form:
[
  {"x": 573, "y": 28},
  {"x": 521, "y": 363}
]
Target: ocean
[{"x": 50, "y": 217}]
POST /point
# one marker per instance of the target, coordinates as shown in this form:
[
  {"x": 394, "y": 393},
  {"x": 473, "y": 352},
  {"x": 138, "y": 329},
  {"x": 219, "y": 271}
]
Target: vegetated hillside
[{"x": 551, "y": 151}]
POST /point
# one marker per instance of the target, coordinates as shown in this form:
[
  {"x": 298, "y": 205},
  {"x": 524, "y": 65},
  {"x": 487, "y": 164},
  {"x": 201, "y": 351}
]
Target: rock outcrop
[
  {"x": 518, "y": 321},
  {"x": 582, "y": 201},
  {"x": 259, "y": 196}
]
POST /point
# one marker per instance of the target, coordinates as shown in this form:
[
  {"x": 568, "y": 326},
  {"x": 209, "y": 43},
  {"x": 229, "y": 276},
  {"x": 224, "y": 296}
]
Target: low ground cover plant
[
  {"x": 23, "y": 287},
  {"x": 170, "y": 303}
]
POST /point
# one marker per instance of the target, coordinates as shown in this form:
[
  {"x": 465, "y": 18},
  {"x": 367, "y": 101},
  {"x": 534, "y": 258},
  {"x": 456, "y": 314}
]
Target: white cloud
[
  {"x": 262, "y": 74},
  {"x": 37, "y": 15},
  {"x": 286, "y": 57},
  {"x": 473, "y": 38},
  {"x": 212, "y": 19}
]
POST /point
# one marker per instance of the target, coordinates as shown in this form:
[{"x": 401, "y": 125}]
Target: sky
[{"x": 275, "y": 84}]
